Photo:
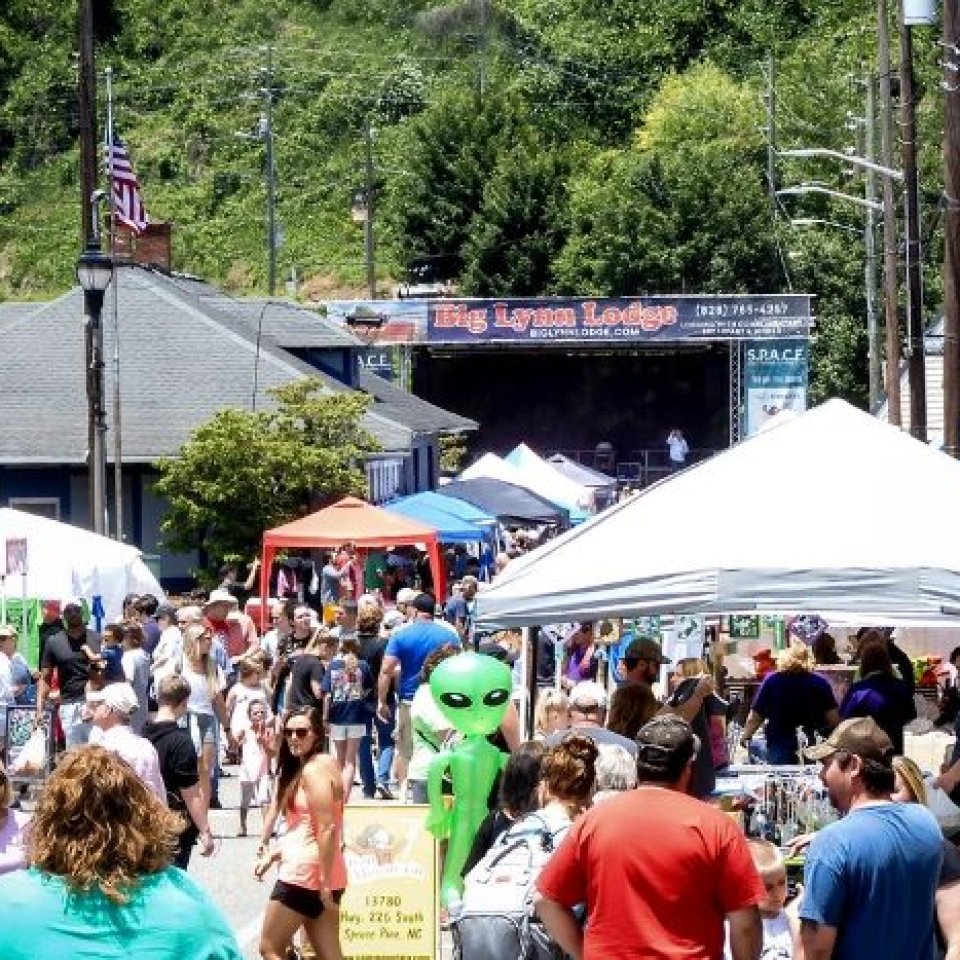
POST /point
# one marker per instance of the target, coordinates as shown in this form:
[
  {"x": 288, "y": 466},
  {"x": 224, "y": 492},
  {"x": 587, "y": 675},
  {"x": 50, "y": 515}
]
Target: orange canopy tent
[{"x": 351, "y": 521}]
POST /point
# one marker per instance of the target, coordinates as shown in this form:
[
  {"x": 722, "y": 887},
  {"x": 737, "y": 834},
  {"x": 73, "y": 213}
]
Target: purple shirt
[
  {"x": 575, "y": 669},
  {"x": 12, "y": 855}
]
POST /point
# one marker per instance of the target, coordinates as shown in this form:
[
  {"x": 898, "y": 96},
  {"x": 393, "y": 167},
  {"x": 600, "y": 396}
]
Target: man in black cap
[
  {"x": 668, "y": 894},
  {"x": 869, "y": 879}
]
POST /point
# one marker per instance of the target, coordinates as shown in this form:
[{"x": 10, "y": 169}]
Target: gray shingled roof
[
  {"x": 287, "y": 323},
  {"x": 182, "y": 359},
  {"x": 14, "y": 310},
  {"x": 398, "y": 404}
]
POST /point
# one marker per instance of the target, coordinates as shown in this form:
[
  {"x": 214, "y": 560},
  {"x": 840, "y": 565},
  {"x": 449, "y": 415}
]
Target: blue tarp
[
  {"x": 459, "y": 508},
  {"x": 450, "y": 527}
]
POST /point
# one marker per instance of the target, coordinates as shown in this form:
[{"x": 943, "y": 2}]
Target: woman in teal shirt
[{"x": 100, "y": 885}]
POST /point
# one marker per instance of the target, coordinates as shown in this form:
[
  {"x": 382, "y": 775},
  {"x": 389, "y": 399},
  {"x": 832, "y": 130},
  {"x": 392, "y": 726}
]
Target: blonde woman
[
  {"x": 552, "y": 714},
  {"x": 792, "y": 696},
  {"x": 708, "y": 723},
  {"x": 206, "y": 706}
]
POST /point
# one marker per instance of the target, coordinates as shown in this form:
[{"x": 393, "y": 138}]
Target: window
[{"x": 48, "y": 507}]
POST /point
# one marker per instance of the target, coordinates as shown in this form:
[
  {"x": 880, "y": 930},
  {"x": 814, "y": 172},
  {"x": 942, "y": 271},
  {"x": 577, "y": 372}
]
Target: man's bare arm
[
  {"x": 561, "y": 924},
  {"x": 746, "y": 934}
]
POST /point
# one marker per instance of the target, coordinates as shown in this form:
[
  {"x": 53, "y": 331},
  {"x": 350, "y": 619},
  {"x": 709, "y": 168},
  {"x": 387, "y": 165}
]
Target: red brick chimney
[{"x": 152, "y": 248}]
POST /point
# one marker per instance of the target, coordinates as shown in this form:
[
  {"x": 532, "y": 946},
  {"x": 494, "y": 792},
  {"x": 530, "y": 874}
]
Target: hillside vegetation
[{"x": 520, "y": 146}]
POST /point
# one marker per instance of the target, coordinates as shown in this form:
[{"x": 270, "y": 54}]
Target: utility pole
[
  {"x": 87, "y": 105},
  {"x": 915, "y": 352},
  {"x": 266, "y": 134},
  {"x": 482, "y": 53},
  {"x": 115, "y": 295},
  {"x": 771, "y": 102},
  {"x": 889, "y": 220},
  {"x": 370, "y": 205},
  {"x": 870, "y": 249},
  {"x": 951, "y": 260}
]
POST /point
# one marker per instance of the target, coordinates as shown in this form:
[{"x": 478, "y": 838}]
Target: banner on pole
[{"x": 775, "y": 380}]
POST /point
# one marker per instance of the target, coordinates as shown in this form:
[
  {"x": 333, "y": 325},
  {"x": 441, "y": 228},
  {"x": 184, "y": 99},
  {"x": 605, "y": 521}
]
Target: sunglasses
[{"x": 296, "y": 732}]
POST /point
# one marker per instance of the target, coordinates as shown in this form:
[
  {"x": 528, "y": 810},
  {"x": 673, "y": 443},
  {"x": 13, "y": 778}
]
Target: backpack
[{"x": 495, "y": 920}]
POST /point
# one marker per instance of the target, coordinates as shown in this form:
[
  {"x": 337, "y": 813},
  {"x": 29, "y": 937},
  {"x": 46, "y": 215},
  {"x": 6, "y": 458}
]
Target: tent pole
[{"x": 531, "y": 654}]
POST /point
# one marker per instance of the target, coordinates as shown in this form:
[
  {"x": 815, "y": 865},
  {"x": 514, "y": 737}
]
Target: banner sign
[
  {"x": 389, "y": 911},
  {"x": 16, "y": 556},
  {"x": 624, "y": 320},
  {"x": 775, "y": 380},
  {"x": 381, "y": 321},
  {"x": 383, "y": 361}
]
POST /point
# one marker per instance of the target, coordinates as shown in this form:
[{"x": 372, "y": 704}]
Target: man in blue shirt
[
  {"x": 407, "y": 649},
  {"x": 460, "y": 607},
  {"x": 870, "y": 879}
]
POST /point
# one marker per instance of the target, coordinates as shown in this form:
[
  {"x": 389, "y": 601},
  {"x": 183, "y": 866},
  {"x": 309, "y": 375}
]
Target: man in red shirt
[{"x": 659, "y": 871}]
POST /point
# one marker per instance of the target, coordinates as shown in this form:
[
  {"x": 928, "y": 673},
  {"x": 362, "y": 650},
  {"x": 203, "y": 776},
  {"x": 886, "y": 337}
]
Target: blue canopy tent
[
  {"x": 451, "y": 528},
  {"x": 461, "y": 509}
]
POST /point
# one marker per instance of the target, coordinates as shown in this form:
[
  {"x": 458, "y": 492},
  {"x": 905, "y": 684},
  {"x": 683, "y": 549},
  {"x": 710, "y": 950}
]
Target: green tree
[
  {"x": 430, "y": 206},
  {"x": 242, "y": 472},
  {"x": 519, "y": 228},
  {"x": 685, "y": 208}
]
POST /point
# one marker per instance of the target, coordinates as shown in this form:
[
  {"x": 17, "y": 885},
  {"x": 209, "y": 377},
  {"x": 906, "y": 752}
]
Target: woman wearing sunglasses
[{"x": 312, "y": 874}]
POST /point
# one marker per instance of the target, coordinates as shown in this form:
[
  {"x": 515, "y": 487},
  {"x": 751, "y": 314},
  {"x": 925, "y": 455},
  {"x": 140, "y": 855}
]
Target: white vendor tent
[
  {"x": 64, "y": 561},
  {"x": 809, "y": 516},
  {"x": 546, "y": 479},
  {"x": 492, "y": 467}
]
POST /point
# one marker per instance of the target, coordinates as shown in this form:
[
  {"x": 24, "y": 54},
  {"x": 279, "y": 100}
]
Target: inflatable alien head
[{"x": 472, "y": 692}]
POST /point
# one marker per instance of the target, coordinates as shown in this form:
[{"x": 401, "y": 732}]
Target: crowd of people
[{"x": 333, "y": 699}]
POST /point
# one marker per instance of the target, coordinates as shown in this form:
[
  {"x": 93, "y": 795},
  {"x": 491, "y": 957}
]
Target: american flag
[{"x": 127, "y": 200}]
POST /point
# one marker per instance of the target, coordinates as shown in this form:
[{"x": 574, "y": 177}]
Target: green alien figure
[{"x": 472, "y": 691}]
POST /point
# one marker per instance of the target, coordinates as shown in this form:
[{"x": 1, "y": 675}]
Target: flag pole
[{"x": 117, "y": 440}]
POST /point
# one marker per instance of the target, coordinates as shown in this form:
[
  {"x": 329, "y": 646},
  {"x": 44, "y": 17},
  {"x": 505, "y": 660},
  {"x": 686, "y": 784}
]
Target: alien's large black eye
[
  {"x": 495, "y": 697},
  {"x": 459, "y": 701}
]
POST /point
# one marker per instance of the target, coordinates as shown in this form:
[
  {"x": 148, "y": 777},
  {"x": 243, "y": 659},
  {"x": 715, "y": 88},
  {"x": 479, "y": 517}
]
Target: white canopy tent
[
  {"x": 64, "y": 561},
  {"x": 546, "y": 479},
  {"x": 495, "y": 468},
  {"x": 809, "y": 516}
]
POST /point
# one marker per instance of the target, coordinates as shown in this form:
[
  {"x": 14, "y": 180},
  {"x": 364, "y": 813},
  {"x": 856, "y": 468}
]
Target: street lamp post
[{"x": 94, "y": 272}]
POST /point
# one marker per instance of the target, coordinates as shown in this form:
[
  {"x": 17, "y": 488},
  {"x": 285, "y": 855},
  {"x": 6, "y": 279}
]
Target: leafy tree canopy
[{"x": 244, "y": 472}]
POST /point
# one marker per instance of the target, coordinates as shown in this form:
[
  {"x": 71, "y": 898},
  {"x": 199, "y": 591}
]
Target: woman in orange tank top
[{"x": 312, "y": 875}]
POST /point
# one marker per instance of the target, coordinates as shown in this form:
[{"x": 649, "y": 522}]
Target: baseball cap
[
  {"x": 118, "y": 696},
  {"x": 666, "y": 743},
  {"x": 588, "y": 693},
  {"x": 645, "y": 649},
  {"x": 392, "y": 619},
  {"x": 424, "y": 603},
  {"x": 861, "y": 736},
  {"x": 405, "y": 595}
]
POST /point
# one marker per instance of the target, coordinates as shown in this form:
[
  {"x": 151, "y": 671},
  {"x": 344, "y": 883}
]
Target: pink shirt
[{"x": 300, "y": 861}]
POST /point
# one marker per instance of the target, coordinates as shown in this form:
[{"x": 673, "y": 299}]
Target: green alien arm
[{"x": 439, "y": 819}]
